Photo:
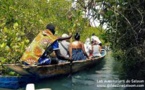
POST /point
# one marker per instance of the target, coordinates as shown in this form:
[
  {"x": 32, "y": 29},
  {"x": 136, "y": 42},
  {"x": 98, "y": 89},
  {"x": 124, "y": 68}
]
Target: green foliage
[
  {"x": 12, "y": 40},
  {"x": 21, "y": 20},
  {"x": 126, "y": 30},
  {"x": 88, "y": 31},
  {"x": 126, "y": 20}
]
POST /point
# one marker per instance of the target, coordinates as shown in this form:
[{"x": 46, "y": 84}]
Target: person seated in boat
[
  {"x": 97, "y": 39},
  {"x": 76, "y": 49},
  {"x": 42, "y": 46},
  {"x": 64, "y": 47},
  {"x": 88, "y": 47},
  {"x": 96, "y": 49}
]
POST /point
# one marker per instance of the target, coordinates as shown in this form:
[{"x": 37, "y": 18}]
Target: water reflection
[
  {"x": 96, "y": 78},
  {"x": 60, "y": 83},
  {"x": 91, "y": 79}
]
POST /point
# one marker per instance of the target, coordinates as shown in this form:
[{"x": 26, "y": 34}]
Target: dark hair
[
  {"x": 93, "y": 34},
  {"x": 51, "y": 27},
  {"x": 77, "y": 36}
]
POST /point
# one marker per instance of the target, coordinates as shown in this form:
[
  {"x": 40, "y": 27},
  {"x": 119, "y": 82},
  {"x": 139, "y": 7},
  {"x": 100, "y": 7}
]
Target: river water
[
  {"x": 99, "y": 77},
  {"x": 104, "y": 76}
]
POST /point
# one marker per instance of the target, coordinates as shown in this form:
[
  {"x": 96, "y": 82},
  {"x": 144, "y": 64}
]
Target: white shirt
[
  {"x": 87, "y": 47},
  {"x": 96, "y": 50},
  {"x": 61, "y": 48}
]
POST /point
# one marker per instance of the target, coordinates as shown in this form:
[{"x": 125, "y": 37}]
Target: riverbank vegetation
[
  {"x": 126, "y": 19},
  {"x": 126, "y": 31},
  {"x": 21, "y": 20}
]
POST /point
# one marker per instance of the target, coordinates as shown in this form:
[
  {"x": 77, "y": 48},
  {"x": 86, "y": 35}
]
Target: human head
[
  {"x": 94, "y": 39},
  {"x": 93, "y": 34},
  {"x": 77, "y": 36},
  {"x": 65, "y": 35},
  {"x": 51, "y": 27}
]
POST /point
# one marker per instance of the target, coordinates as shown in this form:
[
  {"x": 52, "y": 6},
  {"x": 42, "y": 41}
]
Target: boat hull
[{"x": 54, "y": 70}]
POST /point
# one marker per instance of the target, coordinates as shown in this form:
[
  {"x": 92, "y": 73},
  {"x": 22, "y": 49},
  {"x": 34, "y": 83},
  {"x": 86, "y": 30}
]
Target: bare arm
[
  {"x": 60, "y": 56},
  {"x": 64, "y": 38},
  {"x": 70, "y": 50}
]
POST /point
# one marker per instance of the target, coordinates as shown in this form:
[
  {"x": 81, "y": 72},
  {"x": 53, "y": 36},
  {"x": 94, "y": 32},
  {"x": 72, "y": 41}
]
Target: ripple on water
[{"x": 88, "y": 79}]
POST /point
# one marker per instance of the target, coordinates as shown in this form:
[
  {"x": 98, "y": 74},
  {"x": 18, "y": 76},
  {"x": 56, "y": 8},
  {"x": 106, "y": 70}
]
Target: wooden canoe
[{"x": 53, "y": 70}]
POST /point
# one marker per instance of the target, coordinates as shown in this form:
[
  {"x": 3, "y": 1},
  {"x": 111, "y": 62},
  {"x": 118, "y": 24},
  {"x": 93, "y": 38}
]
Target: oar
[
  {"x": 71, "y": 61},
  {"x": 71, "y": 67},
  {"x": 71, "y": 70}
]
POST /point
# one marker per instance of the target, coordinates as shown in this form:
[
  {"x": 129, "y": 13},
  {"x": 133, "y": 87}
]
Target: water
[
  {"x": 88, "y": 79},
  {"x": 101, "y": 77},
  {"x": 104, "y": 76}
]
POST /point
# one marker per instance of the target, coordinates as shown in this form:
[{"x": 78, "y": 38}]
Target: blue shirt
[
  {"x": 55, "y": 45},
  {"x": 44, "y": 60}
]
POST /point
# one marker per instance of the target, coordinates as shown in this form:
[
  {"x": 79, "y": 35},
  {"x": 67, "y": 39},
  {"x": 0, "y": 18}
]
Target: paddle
[
  {"x": 71, "y": 61},
  {"x": 71, "y": 32},
  {"x": 71, "y": 67}
]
